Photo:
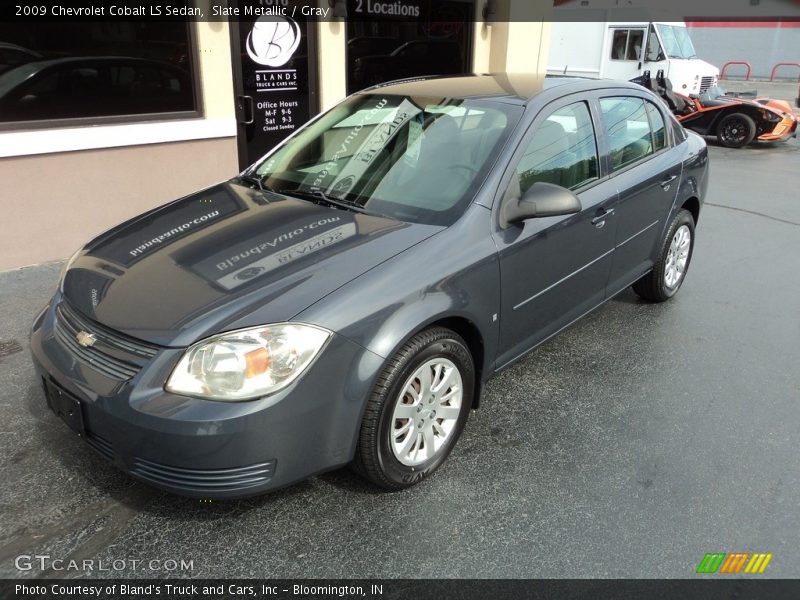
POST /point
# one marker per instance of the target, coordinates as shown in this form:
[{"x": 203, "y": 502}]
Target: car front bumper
[{"x": 201, "y": 448}]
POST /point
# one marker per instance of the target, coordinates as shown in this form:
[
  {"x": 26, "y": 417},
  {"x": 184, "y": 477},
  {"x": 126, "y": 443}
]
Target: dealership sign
[{"x": 276, "y": 78}]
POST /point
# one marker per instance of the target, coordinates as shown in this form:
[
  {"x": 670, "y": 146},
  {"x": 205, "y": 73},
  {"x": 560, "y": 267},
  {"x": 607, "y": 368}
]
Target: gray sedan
[{"x": 343, "y": 300}]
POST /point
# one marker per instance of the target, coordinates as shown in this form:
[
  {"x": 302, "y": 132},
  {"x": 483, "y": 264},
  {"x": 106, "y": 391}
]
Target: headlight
[
  {"x": 248, "y": 363},
  {"x": 770, "y": 116}
]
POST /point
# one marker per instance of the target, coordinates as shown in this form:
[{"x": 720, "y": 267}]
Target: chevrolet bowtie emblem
[{"x": 85, "y": 338}]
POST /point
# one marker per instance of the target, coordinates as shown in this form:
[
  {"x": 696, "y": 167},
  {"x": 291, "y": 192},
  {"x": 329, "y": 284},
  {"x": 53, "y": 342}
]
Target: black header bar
[{"x": 489, "y": 12}]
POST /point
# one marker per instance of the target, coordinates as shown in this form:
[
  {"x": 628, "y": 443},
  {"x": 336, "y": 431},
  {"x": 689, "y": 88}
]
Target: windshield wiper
[
  {"x": 258, "y": 181},
  {"x": 320, "y": 195}
]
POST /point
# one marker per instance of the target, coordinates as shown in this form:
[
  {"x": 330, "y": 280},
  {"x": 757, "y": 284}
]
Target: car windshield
[
  {"x": 414, "y": 159},
  {"x": 677, "y": 43}
]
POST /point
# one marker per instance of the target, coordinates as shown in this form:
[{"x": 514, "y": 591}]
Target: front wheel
[
  {"x": 664, "y": 281},
  {"x": 736, "y": 130},
  {"x": 417, "y": 410}
]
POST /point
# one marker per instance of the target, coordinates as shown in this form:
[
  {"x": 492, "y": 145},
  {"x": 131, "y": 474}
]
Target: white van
[{"x": 624, "y": 50}]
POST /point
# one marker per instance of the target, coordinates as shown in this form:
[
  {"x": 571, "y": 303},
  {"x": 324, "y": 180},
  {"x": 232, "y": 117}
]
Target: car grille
[
  {"x": 705, "y": 83},
  {"x": 204, "y": 480},
  {"x": 115, "y": 355}
]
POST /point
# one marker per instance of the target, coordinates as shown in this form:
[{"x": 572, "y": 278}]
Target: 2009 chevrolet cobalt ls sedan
[{"x": 343, "y": 300}]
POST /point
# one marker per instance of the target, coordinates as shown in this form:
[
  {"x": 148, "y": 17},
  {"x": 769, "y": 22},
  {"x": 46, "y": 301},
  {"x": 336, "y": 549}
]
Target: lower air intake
[{"x": 204, "y": 480}]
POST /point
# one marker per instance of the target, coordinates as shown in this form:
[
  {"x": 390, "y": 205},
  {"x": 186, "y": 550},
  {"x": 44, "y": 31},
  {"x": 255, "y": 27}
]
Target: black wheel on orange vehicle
[{"x": 736, "y": 130}]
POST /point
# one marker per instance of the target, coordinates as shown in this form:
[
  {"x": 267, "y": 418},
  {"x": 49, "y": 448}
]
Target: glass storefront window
[
  {"x": 384, "y": 48},
  {"x": 95, "y": 70}
]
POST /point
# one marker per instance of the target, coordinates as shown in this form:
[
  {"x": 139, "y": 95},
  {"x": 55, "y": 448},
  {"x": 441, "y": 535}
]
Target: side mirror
[{"x": 542, "y": 200}]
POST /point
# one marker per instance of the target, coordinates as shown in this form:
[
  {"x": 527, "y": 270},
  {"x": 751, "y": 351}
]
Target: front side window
[
  {"x": 563, "y": 150},
  {"x": 414, "y": 159},
  {"x": 627, "y": 128},
  {"x": 654, "y": 51},
  {"x": 95, "y": 70}
]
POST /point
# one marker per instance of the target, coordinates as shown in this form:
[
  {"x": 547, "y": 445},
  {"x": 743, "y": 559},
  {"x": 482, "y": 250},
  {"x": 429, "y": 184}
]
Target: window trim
[
  {"x": 197, "y": 95},
  {"x": 118, "y": 135}
]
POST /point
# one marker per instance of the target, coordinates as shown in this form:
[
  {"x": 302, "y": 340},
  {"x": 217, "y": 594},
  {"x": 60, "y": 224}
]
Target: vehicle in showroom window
[{"x": 343, "y": 300}]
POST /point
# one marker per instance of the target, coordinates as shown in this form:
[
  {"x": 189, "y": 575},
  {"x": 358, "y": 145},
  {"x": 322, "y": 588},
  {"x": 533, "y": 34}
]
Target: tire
[
  {"x": 380, "y": 455},
  {"x": 658, "y": 285},
  {"x": 736, "y": 130}
]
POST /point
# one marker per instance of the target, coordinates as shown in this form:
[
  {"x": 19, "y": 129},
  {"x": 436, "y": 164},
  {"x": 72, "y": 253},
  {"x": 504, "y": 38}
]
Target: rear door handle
[
  {"x": 602, "y": 216},
  {"x": 666, "y": 183}
]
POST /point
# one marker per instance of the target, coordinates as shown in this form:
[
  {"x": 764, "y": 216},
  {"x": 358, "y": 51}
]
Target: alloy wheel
[
  {"x": 678, "y": 257},
  {"x": 426, "y": 412}
]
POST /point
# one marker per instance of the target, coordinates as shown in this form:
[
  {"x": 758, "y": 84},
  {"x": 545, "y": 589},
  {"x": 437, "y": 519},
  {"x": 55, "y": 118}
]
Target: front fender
[{"x": 452, "y": 275}]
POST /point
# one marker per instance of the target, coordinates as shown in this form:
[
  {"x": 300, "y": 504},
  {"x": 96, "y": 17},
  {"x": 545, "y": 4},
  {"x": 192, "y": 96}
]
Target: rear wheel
[
  {"x": 736, "y": 130},
  {"x": 664, "y": 281},
  {"x": 417, "y": 410}
]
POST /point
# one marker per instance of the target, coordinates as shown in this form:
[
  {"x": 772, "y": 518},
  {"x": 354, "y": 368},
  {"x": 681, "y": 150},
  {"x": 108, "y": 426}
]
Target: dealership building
[{"x": 101, "y": 120}]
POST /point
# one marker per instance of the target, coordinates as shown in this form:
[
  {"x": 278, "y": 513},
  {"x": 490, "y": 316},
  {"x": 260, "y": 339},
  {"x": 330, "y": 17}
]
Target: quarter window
[
  {"x": 563, "y": 150},
  {"x": 654, "y": 51},
  {"x": 628, "y": 130}
]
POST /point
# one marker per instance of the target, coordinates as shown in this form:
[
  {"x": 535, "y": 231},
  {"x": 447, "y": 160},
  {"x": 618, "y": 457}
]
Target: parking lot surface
[{"x": 629, "y": 446}]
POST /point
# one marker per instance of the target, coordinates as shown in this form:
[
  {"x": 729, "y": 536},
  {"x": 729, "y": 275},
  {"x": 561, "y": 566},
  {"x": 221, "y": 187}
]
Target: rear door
[
  {"x": 554, "y": 269},
  {"x": 646, "y": 172}
]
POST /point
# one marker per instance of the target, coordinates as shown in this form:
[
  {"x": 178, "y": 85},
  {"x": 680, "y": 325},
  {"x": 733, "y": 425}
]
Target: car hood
[{"x": 224, "y": 258}]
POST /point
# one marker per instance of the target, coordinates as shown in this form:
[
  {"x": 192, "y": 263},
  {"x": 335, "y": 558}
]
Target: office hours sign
[{"x": 276, "y": 75}]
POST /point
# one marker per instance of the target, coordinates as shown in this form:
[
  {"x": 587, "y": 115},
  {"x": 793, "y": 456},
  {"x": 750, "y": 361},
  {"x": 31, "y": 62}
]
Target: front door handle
[
  {"x": 666, "y": 183},
  {"x": 601, "y": 217}
]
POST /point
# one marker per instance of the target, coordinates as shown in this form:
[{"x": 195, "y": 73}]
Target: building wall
[
  {"x": 761, "y": 44},
  {"x": 55, "y": 202}
]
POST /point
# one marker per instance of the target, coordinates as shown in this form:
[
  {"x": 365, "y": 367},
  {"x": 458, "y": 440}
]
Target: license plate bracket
[{"x": 67, "y": 407}]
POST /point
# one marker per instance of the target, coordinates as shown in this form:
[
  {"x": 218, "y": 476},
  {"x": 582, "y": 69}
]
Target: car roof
[{"x": 515, "y": 88}]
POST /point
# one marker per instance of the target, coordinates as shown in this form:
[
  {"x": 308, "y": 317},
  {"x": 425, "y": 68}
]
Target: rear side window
[
  {"x": 628, "y": 130},
  {"x": 678, "y": 130},
  {"x": 563, "y": 150},
  {"x": 657, "y": 126}
]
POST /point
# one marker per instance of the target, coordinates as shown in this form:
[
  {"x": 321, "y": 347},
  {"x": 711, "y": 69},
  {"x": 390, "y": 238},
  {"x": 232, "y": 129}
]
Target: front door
[
  {"x": 554, "y": 269},
  {"x": 275, "y": 78}
]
